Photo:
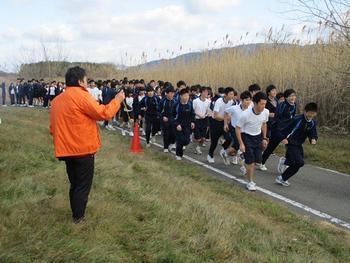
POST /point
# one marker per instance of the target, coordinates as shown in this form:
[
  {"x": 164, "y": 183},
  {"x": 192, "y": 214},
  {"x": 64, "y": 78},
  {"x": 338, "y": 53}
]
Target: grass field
[{"x": 143, "y": 208}]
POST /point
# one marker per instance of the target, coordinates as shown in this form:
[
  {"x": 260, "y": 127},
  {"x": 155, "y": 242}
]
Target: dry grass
[{"x": 317, "y": 72}]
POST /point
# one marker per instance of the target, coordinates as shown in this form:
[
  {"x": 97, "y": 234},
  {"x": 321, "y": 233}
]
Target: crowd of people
[{"x": 248, "y": 125}]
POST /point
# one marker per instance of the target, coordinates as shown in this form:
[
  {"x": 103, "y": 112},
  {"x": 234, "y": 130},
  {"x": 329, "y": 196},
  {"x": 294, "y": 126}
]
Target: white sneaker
[
  {"x": 198, "y": 150},
  {"x": 178, "y": 158},
  {"x": 262, "y": 167},
  {"x": 166, "y": 150},
  {"x": 143, "y": 133},
  {"x": 243, "y": 170},
  {"x": 172, "y": 147},
  {"x": 148, "y": 145},
  {"x": 235, "y": 160},
  {"x": 224, "y": 156},
  {"x": 123, "y": 133},
  {"x": 281, "y": 167},
  {"x": 279, "y": 180},
  {"x": 204, "y": 145},
  {"x": 210, "y": 159},
  {"x": 131, "y": 134},
  {"x": 251, "y": 186},
  {"x": 111, "y": 127}
]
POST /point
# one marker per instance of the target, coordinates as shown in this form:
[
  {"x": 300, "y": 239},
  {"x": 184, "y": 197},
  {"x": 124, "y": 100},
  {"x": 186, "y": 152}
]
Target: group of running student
[{"x": 249, "y": 127}]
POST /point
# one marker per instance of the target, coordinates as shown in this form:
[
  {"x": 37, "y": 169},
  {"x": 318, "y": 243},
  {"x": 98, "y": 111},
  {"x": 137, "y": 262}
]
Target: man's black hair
[
  {"x": 169, "y": 89},
  {"x": 245, "y": 95},
  {"x": 228, "y": 90},
  {"x": 279, "y": 95},
  {"x": 184, "y": 91},
  {"x": 289, "y": 92},
  {"x": 311, "y": 106},
  {"x": 259, "y": 96},
  {"x": 73, "y": 76},
  {"x": 181, "y": 83},
  {"x": 149, "y": 88},
  {"x": 254, "y": 87},
  {"x": 221, "y": 90},
  {"x": 270, "y": 88},
  {"x": 99, "y": 83},
  {"x": 203, "y": 88}
]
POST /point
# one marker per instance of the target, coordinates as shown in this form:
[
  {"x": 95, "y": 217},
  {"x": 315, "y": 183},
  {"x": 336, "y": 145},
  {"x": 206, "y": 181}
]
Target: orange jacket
[{"x": 73, "y": 119}]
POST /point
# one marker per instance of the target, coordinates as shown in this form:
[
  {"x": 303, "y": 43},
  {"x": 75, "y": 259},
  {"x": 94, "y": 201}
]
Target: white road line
[{"x": 306, "y": 208}]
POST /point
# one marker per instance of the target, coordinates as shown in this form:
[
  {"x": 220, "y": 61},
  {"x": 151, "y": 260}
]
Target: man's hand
[
  {"x": 285, "y": 142},
  {"x": 264, "y": 144},
  {"x": 120, "y": 96},
  {"x": 140, "y": 117},
  {"x": 313, "y": 141},
  {"x": 192, "y": 125},
  {"x": 226, "y": 128},
  {"x": 165, "y": 119},
  {"x": 178, "y": 127},
  {"x": 242, "y": 148}
]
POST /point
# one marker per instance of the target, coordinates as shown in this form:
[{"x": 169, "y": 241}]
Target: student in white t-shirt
[
  {"x": 94, "y": 91},
  {"x": 217, "y": 126},
  {"x": 234, "y": 114},
  {"x": 201, "y": 107},
  {"x": 251, "y": 134}
]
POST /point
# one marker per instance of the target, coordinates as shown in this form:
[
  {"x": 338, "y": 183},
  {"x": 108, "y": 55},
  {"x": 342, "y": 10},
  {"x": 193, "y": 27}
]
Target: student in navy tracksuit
[
  {"x": 167, "y": 118},
  {"x": 184, "y": 122},
  {"x": 302, "y": 127},
  {"x": 150, "y": 106},
  {"x": 3, "y": 93},
  {"x": 12, "y": 93},
  {"x": 271, "y": 105},
  {"x": 285, "y": 113}
]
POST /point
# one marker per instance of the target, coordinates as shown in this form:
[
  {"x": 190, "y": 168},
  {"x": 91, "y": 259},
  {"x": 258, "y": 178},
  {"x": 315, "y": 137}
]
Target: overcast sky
[{"x": 120, "y": 31}]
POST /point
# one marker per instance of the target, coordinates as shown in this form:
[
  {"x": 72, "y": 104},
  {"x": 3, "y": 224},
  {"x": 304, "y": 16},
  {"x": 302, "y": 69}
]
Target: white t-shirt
[
  {"x": 221, "y": 106},
  {"x": 236, "y": 112},
  {"x": 96, "y": 93},
  {"x": 201, "y": 108},
  {"x": 52, "y": 91},
  {"x": 250, "y": 123},
  {"x": 129, "y": 101}
]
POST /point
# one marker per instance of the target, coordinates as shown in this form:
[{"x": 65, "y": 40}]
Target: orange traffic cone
[{"x": 135, "y": 143}]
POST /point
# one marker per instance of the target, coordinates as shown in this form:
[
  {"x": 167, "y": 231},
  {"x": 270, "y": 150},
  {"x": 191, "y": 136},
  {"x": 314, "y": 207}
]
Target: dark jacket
[
  {"x": 299, "y": 129},
  {"x": 166, "y": 109},
  {"x": 150, "y": 106},
  {"x": 184, "y": 114}
]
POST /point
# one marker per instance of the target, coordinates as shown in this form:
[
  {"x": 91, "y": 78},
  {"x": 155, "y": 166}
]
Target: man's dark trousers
[{"x": 80, "y": 173}]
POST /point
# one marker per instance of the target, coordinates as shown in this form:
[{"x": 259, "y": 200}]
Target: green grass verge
[{"x": 142, "y": 208}]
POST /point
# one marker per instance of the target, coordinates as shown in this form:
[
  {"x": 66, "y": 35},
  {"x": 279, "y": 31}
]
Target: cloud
[{"x": 206, "y": 6}]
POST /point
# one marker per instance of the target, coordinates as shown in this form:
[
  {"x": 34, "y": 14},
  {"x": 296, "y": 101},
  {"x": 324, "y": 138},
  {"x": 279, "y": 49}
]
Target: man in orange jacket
[{"x": 76, "y": 136}]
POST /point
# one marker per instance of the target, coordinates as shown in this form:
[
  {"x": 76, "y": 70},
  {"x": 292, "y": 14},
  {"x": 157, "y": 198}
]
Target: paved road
[{"x": 315, "y": 188}]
